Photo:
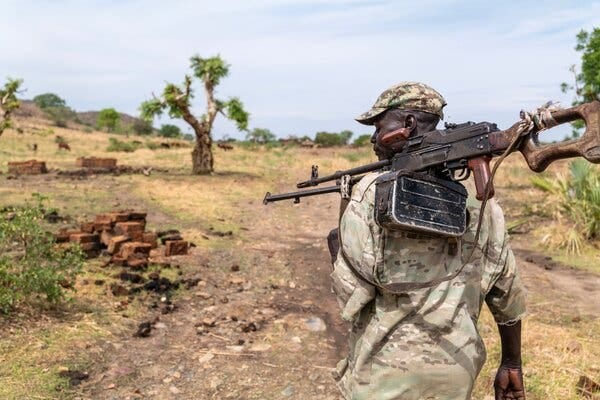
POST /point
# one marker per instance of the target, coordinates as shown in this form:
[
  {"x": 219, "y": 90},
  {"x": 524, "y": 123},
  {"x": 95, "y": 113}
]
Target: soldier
[{"x": 422, "y": 342}]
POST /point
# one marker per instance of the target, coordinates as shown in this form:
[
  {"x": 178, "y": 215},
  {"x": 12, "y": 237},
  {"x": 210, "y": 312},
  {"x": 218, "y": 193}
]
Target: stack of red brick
[
  {"x": 31, "y": 167},
  {"x": 123, "y": 235},
  {"x": 94, "y": 162}
]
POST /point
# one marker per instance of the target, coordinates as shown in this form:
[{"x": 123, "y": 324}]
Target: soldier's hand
[{"x": 508, "y": 384}]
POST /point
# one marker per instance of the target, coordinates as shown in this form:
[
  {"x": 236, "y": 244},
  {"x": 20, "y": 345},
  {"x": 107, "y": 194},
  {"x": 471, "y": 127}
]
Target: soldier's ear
[{"x": 410, "y": 122}]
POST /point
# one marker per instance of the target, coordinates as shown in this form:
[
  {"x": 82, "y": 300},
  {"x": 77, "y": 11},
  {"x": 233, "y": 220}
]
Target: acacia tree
[
  {"x": 108, "y": 118},
  {"x": 8, "y": 102},
  {"x": 177, "y": 101}
]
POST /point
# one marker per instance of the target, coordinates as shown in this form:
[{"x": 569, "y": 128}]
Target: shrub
[
  {"x": 118, "y": 145},
  {"x": 362, "y": 140},
  {"x": 576, "y": 198},
  {"x": 141, "y": 127},
  {"x": 169, "y": 131},
  {"x": 31, "y": 264},
  {"x": 152, "y": 145},
  {"x": 329, "y": 139}
]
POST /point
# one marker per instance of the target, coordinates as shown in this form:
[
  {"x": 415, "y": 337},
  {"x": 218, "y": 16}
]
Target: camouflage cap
[{"x": 406, "y": 95}]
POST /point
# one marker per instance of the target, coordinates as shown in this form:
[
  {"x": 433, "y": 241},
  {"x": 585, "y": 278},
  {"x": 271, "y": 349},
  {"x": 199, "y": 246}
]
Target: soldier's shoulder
[{"x": 366, "y": 184}]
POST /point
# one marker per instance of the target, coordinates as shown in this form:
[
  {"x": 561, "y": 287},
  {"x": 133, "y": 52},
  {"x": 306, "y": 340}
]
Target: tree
[
  {"x": 328, "y": 139},
  {"x": 46, "y": 100},
  {"x": 176, "y": 99},
  {"x": 142, "y": 127},
  {"x": 8, "y": 102},
  {"x": 169, "y": 131},
  {"x": 260, "y": 135},
  {"x": 586, "y": 85},
  {"x": 108, "y": 118}
]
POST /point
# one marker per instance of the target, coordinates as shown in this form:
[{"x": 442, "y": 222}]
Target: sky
[{"x": 299, "y": 66}]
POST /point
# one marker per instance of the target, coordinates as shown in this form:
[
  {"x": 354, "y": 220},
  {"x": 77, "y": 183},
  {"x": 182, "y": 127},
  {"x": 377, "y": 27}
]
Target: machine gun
[
  {"x": 470, "y": 147},
  {"x": 441, "y": 158}
]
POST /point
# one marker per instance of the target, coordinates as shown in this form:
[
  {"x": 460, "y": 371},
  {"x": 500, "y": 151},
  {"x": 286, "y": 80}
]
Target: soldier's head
[{"x": 411, "y": 105}]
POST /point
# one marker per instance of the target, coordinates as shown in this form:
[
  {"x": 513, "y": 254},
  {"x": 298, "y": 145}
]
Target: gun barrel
[
  {"x": 353, "y": 171},
  {"x": 269, "y": 198}
]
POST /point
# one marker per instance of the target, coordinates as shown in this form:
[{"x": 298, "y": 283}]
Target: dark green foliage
[
  {"x": 234, "y": 110},
  {"x": 209, "y": 70},
  {"x": 31, "y": 265},
  {"x": 586, "y": 85},
  {"x": 329, "y": 139},
  {"x": 260, "y": 135},
  {"x": 169, "y": 131},
  {"x": 576, "y": 197},
  {"x": 118, "y": 145},
  {"x": 108, "y": 118},
  {"x": 142, "y": 127},
  {"x": 8, "y": 102},
  {"x": 47, "y": 100},
  {"x": 362, "y": 140}
]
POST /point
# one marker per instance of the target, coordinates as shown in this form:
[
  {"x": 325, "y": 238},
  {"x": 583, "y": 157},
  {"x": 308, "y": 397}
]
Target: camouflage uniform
[{"x": 424, "y": 343}]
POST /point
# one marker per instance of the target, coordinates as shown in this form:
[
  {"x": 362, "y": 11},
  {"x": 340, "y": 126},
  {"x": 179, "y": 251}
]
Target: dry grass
[{"x": 557, "y": 348}]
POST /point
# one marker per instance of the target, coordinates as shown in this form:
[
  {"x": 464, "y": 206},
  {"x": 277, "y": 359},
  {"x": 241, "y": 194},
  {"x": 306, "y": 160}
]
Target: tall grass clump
[
  {"x": 575, "y": 202},
  {"x": 32, "y": 266}
]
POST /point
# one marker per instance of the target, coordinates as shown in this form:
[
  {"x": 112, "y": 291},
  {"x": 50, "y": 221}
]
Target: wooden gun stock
[
  {"x": 539, "y": 156},
  {"x": 587, "y": 146}
]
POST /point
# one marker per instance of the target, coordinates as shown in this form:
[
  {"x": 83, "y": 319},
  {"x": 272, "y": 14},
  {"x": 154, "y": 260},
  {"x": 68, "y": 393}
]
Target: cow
[{"x": 64, "y": 145}]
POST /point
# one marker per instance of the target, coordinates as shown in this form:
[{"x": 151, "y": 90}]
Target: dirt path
[{"x": 261, "y": 322}]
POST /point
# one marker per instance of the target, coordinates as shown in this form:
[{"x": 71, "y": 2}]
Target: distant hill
[
  {"x": 90, "y": 117},
  {"x": 29, "y": 109}
]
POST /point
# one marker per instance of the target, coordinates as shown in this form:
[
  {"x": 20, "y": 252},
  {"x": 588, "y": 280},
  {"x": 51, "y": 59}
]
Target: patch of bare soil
[
  {"x": 250, "y": 322},
  {"x": 574, "y": 291}
]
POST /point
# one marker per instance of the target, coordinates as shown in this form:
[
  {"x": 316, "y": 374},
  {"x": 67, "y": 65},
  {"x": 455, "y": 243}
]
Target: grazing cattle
[
  {"x": 64, "y": 145},
  {"x": 225, "y": 146}
]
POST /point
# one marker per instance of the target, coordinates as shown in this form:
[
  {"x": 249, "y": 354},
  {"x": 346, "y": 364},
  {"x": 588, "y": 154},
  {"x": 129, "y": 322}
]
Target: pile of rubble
[
  {"x": 30, "y": 167},
  {"x": 123, "y": 236}
]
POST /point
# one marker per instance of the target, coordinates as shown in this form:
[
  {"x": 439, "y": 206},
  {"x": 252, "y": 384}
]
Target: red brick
[
  {"x": 150, "y": 238},
  {"x": 106, "y": 236},
  {"x": 137, "y": 215},
  {"x": 115, "y": 243},
  {"x": 118, "y": 260},
  {"x": 94, "y": 162},
  {"x": 176, "y": 247},
  {"x": 87, "y": 246},
  {"x": 118, "y": 217},
  {"x": 137, "y": 261},
  {"x": 133, "y": 229},
  {"x": 64, "y": 234},
  {"x": 87, "y": 227},
  {"x": 30, "y": 167},
  {"x": 130, "y": 248},
  {"x": 84, "y": 237}
]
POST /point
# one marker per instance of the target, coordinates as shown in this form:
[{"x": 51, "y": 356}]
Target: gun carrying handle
[
  {"x": 481, "y": 173},
  {"x": 588, "y": 146}
]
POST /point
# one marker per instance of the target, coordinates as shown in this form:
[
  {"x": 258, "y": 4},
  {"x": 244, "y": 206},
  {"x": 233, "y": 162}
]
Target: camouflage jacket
[{"x": 422, "y": 344}]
